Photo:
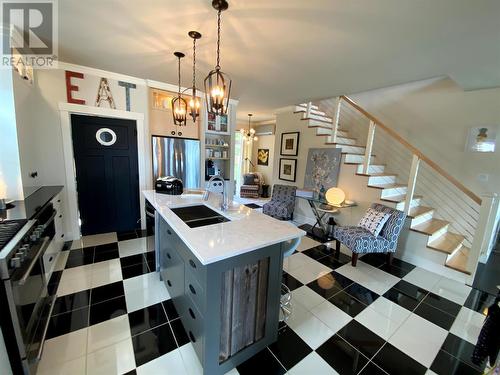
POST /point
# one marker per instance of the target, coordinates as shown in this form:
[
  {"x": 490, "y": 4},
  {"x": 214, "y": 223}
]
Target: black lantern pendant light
[
  {"x": 194, "y": 102},
  {"x": 179, "y": 105},
  {"x": 217, "y": 83}
]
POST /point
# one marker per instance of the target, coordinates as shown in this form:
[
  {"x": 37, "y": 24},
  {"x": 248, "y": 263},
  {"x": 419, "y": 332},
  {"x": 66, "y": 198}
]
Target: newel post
[
  {"x": 369, "y": 146},
  {"x": 412, "y": 183}
]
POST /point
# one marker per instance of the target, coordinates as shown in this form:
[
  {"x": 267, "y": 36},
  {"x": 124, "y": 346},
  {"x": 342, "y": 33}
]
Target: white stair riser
[
  {"x": 313, "y": 122},
  {"x": 422, "y": 218},
  {"x": 372, "y": 169},
  {"x": 346, "y": 141},
  {"x": 318, "y": 117},
  {"x": 357, "y": 159},
  {"x": 323, "y": 131},
  {"x": 313, "y": 111},
  {"x": 340, "y": 133},
  {"x": 304, "y": 105},
  {"x": 351, "y": 149},
  {"x": 439, "y": 233},
  {"x": 414, "y": 203},
  {"x": 393, "y": 191},
  {"x": 379, "y": 180}
]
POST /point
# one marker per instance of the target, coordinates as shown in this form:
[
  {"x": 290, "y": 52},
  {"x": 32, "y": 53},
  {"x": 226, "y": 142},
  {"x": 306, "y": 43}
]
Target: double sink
[{"x": 199, "y": 216}]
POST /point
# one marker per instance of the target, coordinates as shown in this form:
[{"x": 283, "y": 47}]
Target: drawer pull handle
[
  {"x": 168, "y": 256},
  {"x": 51, "y": 259},
  {"x": 58, "y": 201},
  {"x": 191, "y": 313},
  {"x": 191, "y": 337},
  {"x": 62, "y": 235},
  {"x": 191, "y": 288},
  {"x": 192, "y": 264},
  {"x": 168, "y": 231},
  {"x": 60, "y": 216},
  {"x": 169, "y": 283}
]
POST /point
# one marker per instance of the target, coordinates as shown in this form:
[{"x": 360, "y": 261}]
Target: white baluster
[
  {"x": 369, "y": 146},
  {"x": 412, "y": 183},
  {"x": 336, "y": 119},
  {"x": 308, "y": 109}
]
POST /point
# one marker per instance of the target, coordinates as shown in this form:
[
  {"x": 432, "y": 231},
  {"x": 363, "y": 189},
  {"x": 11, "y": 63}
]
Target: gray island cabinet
[{"x": 228, "y": 300}]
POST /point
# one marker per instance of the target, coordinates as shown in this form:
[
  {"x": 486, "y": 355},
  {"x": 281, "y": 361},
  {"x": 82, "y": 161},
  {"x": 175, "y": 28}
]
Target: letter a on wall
[{"x": 104, "y": 94}]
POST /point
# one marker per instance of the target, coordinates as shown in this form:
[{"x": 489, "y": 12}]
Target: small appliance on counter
[{"x": 169, "y": 185}]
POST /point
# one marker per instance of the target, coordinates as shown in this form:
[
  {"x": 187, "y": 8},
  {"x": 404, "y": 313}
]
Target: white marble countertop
[{"x": 248, "y": 230}]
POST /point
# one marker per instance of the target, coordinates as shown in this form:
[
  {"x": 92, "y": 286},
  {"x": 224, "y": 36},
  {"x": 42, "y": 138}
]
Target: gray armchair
[
  {"x": 361, "y": 241},
  {"x": 282, "y": 202}
]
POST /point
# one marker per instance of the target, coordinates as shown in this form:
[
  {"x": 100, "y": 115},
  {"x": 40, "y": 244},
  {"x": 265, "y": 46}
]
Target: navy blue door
[{"x": 107, "y": 174}]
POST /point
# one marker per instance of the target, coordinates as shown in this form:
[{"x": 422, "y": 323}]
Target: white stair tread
[
  {"x": 315, "y": 119},
  {"x": 430, "y": 227},
  {"x": 419, "y": 210},
  {"x": 458, "y": 261},
  {"x": 387, "y": 186},
  {"x": 447, "y": 243},
  {"x": 398, "y": 198}
]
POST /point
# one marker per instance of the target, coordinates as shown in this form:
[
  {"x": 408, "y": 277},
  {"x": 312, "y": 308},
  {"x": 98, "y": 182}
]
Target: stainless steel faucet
[{"x": 206, "y": 194}]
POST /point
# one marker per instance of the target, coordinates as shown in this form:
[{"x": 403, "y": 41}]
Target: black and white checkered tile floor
[{"x": 114, "y": 316}]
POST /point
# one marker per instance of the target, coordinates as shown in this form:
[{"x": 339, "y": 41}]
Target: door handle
[{"x": 42, "y": 249}]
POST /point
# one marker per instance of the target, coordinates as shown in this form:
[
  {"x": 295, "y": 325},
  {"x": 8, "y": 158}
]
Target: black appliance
[
  {"x": 25, "y": 304},
  {"x": 169, "y": 185},
  {"x": 150, "y": 230}
]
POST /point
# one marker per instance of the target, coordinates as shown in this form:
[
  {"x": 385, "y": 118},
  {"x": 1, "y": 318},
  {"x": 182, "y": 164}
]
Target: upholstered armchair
[
  {"x": 252, "y": 185},
  {"x": 360, "y": 241},
  {"x": 282, "y": 202}
]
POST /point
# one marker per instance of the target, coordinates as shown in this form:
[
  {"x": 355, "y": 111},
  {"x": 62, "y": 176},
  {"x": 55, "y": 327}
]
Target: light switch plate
[{"x": 483, "y": 177}]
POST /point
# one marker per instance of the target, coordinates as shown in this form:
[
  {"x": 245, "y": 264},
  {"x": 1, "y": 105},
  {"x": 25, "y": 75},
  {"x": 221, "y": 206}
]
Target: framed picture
[
  {"x": 322, "y": 168},
  {"x": 482, "y": 139},
  {"x": 288, "y": 169},
  {"x": 290, "y": 144},
  {"x": 263, "y": 156}
]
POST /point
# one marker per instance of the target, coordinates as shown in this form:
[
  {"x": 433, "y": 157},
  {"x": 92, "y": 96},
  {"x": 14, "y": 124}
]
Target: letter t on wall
[{"x": 70, "y": 88}]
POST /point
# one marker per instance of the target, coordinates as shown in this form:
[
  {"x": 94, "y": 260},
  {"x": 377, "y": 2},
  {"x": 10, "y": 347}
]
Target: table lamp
[{"x": 335, "y": 196}]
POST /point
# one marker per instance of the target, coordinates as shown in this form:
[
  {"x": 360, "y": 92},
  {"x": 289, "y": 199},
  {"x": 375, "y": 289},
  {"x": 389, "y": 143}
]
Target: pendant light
[
  {"x": 249, "y": 135},
  {"x": 194, "y": 102},
  {"x": 179, "y": 105},
  {"x": 218, "y": 83}
]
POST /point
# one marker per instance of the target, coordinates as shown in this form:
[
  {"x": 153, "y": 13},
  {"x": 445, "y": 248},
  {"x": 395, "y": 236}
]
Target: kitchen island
[{"x": 223, "y": 272}]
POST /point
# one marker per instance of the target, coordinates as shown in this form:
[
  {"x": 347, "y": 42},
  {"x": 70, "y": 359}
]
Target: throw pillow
[
  {"x": 249, "y": 179},
  {"x": 374, "y": 221}
]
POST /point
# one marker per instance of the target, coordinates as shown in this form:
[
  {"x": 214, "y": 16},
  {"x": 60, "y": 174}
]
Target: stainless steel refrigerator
[{"x": 179, "y": 158}]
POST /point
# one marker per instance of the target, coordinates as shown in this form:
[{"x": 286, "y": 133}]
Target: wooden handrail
[{"x": 414, "y": 150}]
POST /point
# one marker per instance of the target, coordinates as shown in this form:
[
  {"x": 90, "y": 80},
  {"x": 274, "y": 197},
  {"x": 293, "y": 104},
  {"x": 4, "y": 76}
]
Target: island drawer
[
  {"x": 193, "y": 322},
  {"x": 194, "y": 289},
  {"x": 193, "y": 265}
]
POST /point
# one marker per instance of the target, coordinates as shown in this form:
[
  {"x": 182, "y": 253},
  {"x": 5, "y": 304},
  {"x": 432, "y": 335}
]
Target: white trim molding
[
  {"x": 100, "y": 73},
  {"x": 65, "y": 111}
]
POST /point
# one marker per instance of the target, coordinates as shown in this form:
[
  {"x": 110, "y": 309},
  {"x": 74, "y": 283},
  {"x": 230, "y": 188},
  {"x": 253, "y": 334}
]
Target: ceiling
[{"x": 284, "y": 52}]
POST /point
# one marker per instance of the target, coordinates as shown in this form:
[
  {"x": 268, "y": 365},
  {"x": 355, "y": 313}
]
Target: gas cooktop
[{"x": 8, "y": 230}]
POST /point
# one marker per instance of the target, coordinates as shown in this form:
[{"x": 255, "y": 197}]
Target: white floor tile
[
  {"x": 168, "y": 364},
  {"x": 144, "y": 290},
  {"x": 190, "y": 359},
  {"x": 132, "y": 247},
  {"x": 422, "y": 278},
  {"x": 94, "y": 240},
  {"x": 307, "y": 243},
  {"x": 419, "y": 338},
  {"x": 73, "y": 367},
  {"x": 378, "y": 323},
  {"x": 106, "y": 272},
  {"x": 107, "y": 333},
  {"x": 61, "y": 261},
  {"x": 114, "y": 359},
  {"x": 468, "y": 325},
  {"x": 65, "y": 348},
  {"x": 312, "y": 364},
  {"x": 296, "y": 261},
  {"x": 331, "y": 315},
  {"x": 75, "y": 279},
  {"x": 310, "y": 329},
  {"x": 307, "y": 274},
  {"x": 368, "y": 276},
  {"x": 307, "y": 297},
  {"x": 390, "y": 309},
  {"x": 453, "y": 290}
]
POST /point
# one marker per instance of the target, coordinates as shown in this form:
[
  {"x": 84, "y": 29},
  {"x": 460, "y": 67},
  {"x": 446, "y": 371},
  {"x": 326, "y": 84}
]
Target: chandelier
[
  {"x": 249, "y": 135},
  {"x": 218, "y": 83},
  {"x": 194, "y": 102},
  {"x": 179, "y": 105}
]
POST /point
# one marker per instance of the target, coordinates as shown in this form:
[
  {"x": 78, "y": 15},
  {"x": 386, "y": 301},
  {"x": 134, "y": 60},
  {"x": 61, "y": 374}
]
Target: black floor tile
[
  {"x": 170, "y": 309},
  {"x": 479, "y": 300},
  {"x": 147, "y": 318},
  {"x": 135, "y": 270},
  {"x": 106, "y": 310},
  {"x": 140, "y": 233},
  {"x": 290, "y": 349},
  {"x": 68, "y": 322},
  {"x": 152, "y": 344},
  {"x": 361, "y": 338},
  {"x": 291, "y": 282},
  {"x": 330, "y": 284},
  {"x": 80, "y": 257},
  {"x": 374, "y": 259},
  {"x": 411, "y": 290},
  {"x": 318, "y": 252},
  {"x": 445, "y": 364},
  {"x": 67, "y": 245},
  {"x": 261, "y": 363},
  {"x": 53, "y": 283},
  {"x": 442, "y": 303},
  {"x": 434, "y": 315},
  {"x": 105, "y": 292},
  {"x": 339, "y": 354},
  {"x": 131, "y": 260},
  {"x": 152, "y": 266},
  {"x": 102, "y": 255},
  {"x": 406, "y": 295},
  {"x": 71, "y": 302},
  {"x": 124, "y": 236},
  {"x": 179, "y": 332},
  {"x": 402, "y": 264},
  {"x": 394, "y": 361},
  {"x": 150, "y": 256},
  {"x": 131, "y": 372},
  {"x": 372, "y": 369},
  {"x": 460, "y": 349},
  {"x": 394, "y": 270},
  {"x": 106, "y": 247},
  {"x": 347, "y": 303},
  {"x": 335, "y": 261},
  {"x": 361, "y": 293}
]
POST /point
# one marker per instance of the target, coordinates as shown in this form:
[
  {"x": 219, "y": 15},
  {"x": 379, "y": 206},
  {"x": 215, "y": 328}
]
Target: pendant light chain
[
  {"x": 217, "y": 67},
  {"x": 194, "y": 66},
  {"x": 179, "y": 76}
]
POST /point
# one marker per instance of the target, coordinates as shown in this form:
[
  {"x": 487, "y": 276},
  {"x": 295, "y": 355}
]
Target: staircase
[{"x": 399, "y": 192}]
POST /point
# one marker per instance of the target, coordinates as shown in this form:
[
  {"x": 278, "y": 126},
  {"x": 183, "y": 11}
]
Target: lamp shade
[{"x": 335, "y": 196}]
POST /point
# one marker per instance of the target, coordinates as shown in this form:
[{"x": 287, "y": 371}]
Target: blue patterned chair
[
  {"x": 361, "y": 241},
  {"x": 282, "y": 202}
]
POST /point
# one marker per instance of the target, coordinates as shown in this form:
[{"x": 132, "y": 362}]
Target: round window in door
[{"x": 106, "y": 136}]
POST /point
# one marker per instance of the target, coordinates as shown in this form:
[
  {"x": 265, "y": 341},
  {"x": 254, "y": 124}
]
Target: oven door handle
[
  {"x": 150, "y": 214},
  {"x": 43, "y": 247},
  {"x": 45, "y": 329}
]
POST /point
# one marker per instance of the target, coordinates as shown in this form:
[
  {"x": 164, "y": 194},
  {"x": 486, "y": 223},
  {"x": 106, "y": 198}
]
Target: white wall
[
  {"x": 435, "y": 116},
  {"x": 266, "y": 142}
]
